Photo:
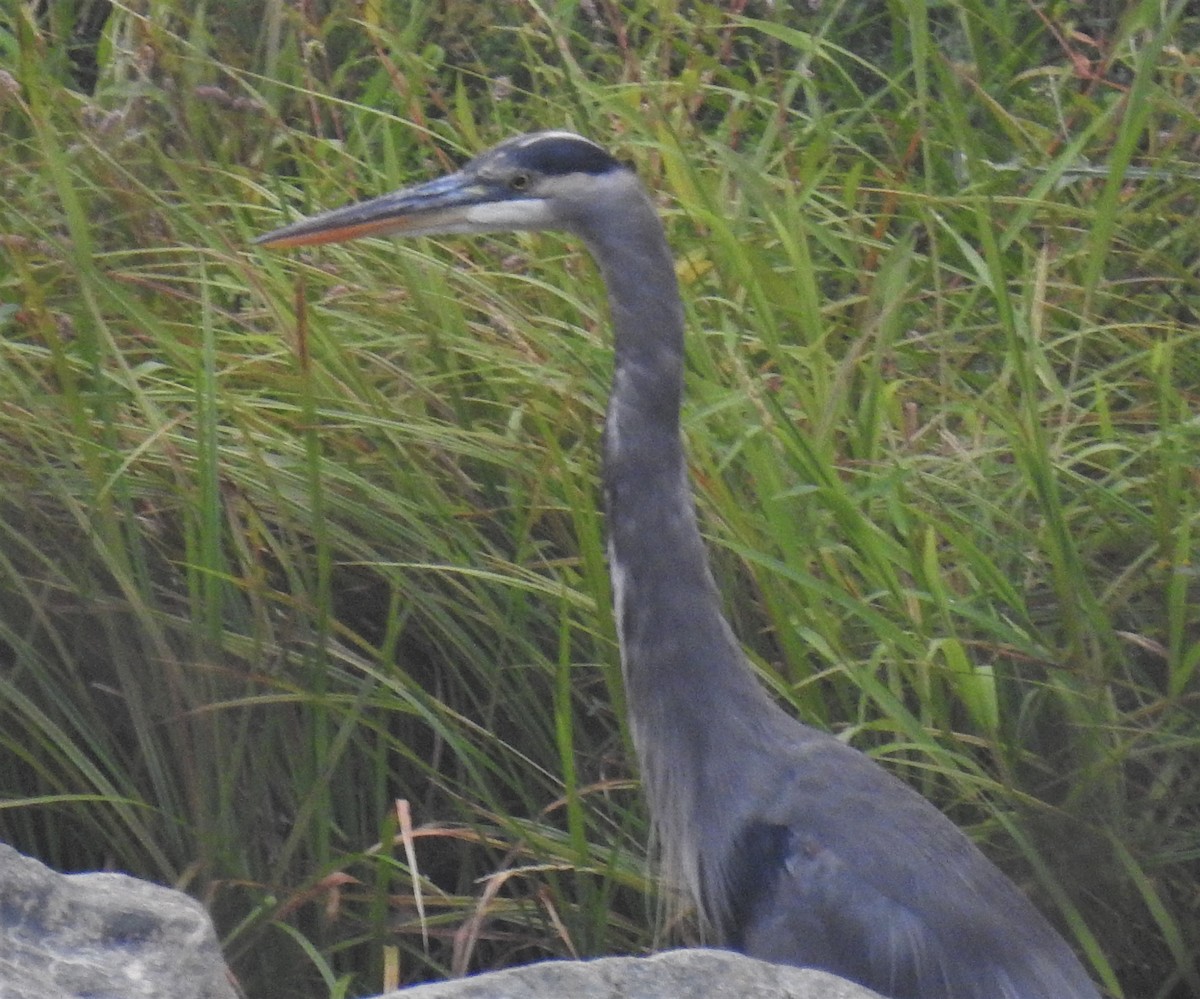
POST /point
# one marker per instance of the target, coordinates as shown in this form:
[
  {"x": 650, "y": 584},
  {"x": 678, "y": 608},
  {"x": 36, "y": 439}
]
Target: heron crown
[{"x": 552, "y": 154}]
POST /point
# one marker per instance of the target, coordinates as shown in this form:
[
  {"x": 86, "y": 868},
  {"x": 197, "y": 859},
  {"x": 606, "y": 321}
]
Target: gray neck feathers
[{"x": 683, "y": 667}]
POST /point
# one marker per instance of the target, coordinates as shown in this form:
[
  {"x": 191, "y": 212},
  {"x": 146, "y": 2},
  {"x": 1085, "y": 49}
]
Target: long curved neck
[
  {"x": 683, "y": 667},
  {"x": 678, "y": 654}
]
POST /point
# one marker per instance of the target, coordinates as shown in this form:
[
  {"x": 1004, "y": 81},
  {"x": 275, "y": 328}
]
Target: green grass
[{"x": 287, "y": 539}]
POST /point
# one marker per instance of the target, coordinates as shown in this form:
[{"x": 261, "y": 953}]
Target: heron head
[{"x": 543, "y": 180}]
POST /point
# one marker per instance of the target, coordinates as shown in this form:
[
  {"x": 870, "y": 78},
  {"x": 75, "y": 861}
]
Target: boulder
[
  {"x": 674, "y": 974},
  {"x": 110, "y": 936},
  {"x": 102, "y": 936}
]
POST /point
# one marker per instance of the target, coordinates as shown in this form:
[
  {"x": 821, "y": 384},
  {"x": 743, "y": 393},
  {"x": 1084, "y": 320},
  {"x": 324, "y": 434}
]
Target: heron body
[{"x": 794, "y": 847}]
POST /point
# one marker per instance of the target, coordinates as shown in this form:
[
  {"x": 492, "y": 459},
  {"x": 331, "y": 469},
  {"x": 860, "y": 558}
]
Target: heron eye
[{"x": 519, "y": 181}]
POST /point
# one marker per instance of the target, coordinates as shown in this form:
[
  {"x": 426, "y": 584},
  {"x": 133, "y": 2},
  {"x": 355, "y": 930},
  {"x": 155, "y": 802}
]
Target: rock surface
[
  {"x": 102, "y": 936},
  {"x": 675, "y": 974},
  {"x": 109, "y": 936}
]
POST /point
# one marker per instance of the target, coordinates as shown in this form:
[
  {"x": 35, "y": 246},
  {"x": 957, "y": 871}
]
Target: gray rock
[
  {"x": 109, "y": 936},
  {"x": 102, "y": 936},
  {"x": 675, "y": 974}
]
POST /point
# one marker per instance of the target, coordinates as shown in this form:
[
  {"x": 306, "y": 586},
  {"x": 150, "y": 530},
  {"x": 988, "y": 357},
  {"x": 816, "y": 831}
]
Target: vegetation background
[{"x": 303, "y": 604}]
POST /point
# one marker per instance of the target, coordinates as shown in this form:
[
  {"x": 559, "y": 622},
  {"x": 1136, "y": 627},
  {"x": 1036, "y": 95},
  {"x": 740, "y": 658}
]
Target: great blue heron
[{"x": 793, "y": 846}]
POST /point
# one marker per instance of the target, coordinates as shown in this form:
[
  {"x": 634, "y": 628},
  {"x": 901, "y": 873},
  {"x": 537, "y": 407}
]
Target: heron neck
[{"x": 677, "y": 651}]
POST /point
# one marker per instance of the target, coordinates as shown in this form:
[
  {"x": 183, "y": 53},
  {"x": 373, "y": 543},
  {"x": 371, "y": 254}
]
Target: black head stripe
[{"x": 560, "y": 153}]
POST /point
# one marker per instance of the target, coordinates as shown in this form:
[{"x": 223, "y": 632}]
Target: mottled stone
[
  {"x": 102, "y": 936},
  {"x": 676, "y": 974}
]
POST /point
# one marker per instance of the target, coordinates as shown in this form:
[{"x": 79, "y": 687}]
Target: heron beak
[
  {"x": 440, "y": 206},
  {"x": 459, "y": 203}
]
